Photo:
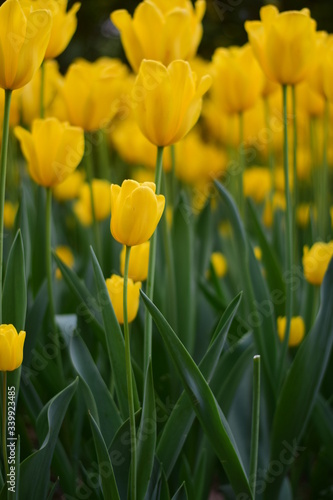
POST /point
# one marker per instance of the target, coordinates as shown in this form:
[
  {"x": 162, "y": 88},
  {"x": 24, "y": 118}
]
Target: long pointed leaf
[{"x": 204, "y": 403}]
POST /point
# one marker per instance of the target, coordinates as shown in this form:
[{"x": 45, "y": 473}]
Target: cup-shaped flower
[
  {"x": 70, "y": 188},
  {"x": 11, "y": 348},
  {"x": 327, "y": 70},
  {"x": 91, "y": 91},
  {"x": 315, "y": 261},
  {"x": 161, "y": 31},
  {"x": 23, "y": 42},
  {"x": 65, "y": 254},
  {"x": 135, "y": 212},
  {"x": 238, "y": 79},
  {"x": 9, "y": 214},
  {"x": 297, "y": 329},
  {"x": 53, "y": 150},
  {"x": 102, "y": 202},
  {"x": 115, "y": 286},
  {"x": 284, "y": 43},
  {"x": 219, "y": 263},
  {"x": 63, "y": 23},
  {"x": 138, "y": 262},
  {"x": 170, "y": 102}
]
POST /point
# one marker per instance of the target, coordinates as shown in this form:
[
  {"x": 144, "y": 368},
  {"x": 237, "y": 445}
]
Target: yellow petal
[
  {"x": 132, "y": 45},
  {"x": 12, "y": 38},
  {"x": 5, "y": 352},
  {"x": 69, "y": 153}
]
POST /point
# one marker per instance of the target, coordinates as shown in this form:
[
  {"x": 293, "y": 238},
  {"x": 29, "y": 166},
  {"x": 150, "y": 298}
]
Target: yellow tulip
[
  {"x": 315, "y": 261},
  {"x": 102, "y": 202},
  {"x": 303, "y": 215},
  {"x": 23, "y": 42},
  {"x": 297, "y": 329},
  {"x": 63, "y": 23},
  {"x": 66, "y": 255},
  {"x": 170, "y": 102},
  {"x": 328, "y": 71},
  {"x": 9, "y": 214},
  {"x": 52, "y": 149},
  {"x": 138, "y": 262},
  {"x": 11, "y": 348},
  {"x": 284, "y": 44},
  {"x": 161, "y": 31},
  {"x": 15, "y": 105},
  {"x": 115, "y": 286},
  {"x": 30, "y": 94},
  {"x": 257, "y": 183},
  {"x": 257, "y": 252},
  {"x": 238, "y": 79},
  {"x": 219, "y": 263},
  {"x": 135, "y": 211},
  {"x": 316, "y": 76},
  {"x": 91, "y": 91},
  {"x": 309, "y": 100},
  {"x": 70, "y": 188}
]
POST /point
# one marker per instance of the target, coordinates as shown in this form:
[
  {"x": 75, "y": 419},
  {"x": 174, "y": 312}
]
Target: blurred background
[{"x": 223, "y": 25}]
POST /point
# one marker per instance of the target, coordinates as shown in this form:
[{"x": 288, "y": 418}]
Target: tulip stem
[
  {"x": 4, "y": 421},
  {"x": 49, "y": 276},
  {"x": 90, "y": 176},
  {"x": 129, "y": 378},
  {"x": 151, "y": 267},
  {"x": 42, "y": 89},
  {"x": 296, "y": 194},
  {"x": 289, "y": 238},
  {"x": 241, "y": 166},
  {"x": 255, "y": 424},
  {"x": 3, "y": 167}
]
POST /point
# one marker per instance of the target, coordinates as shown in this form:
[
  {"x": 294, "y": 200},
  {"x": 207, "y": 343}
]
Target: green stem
[
  {"x": 289, "y": 238},
  {"x": 295, "y": 142},
  {"x": 42, "y": 89},
  {"x": 270, "y": 149},
  {"x": 129, "y": 379},
  {"x": 3, "y": 167},
  {"x": 49, "y": 277},
  {"x": 90, "y": 176},
  {"x": 323, "y": 215},
  {"x": 4, "y": 422},
  {"x": 151, "y": 266},
  {"x": 255, "y": 424},
  {"x": 241, "y": 204}
]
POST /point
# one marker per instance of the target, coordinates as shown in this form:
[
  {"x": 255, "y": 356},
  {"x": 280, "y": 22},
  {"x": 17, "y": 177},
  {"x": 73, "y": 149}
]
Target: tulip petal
[
  {"x": 29, "y": 152},
  {"x": 69, "y": 153},
  {"x": 115, "y": 192},
  {"x": 151, "y": 39},
  {"x": 5, "y": 352},
  {"x": 131, "y": 43}
]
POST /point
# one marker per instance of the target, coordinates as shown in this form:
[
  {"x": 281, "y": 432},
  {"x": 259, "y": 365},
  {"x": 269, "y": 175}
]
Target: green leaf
[
  {"x": 181, "y": 493},
  {"x": 183, "y": 242},
  {"x": 14, "y": 297},
  {"x": 34, "y": 322},
  {"x": 146, "y": 436},
  {"x": 98, "y": 397},
  {"x": 106, "y": 473},
  {"x": 204, "y": 403},
  {"x": 22, "y": 224},
  {"x": 182, "y": 416},
  {"x": 300, "y": 389},
  {"x": 114, "y": 340},
  {"x": 273, "y": 272},
  {"x": 323, "y": 420},
  {"x": 120, "y": 455},
  {"x": 88, "y": 306},
  {"x": 204, "y": 229},
  {"x": 35, "y": 470},
  {"x": 38, "y": 238}
]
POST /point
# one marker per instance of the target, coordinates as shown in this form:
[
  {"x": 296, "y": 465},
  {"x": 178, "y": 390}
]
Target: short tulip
[
  {"x": 297, "y": 329},
  {"x": 135, "y": 212},
  {"x": 23, "y": 42},
  {"x": 115, "y": 286},
  {"x": 11, "y": 348},
  {"x": 52, "y": 149},
  {"x": 284, "y": 44},
  {"x": 171, "y": 100},
  {"x": 316, "y": 260}
]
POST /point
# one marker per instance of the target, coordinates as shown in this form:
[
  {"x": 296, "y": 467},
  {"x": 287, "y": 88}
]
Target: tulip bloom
[
  {"x": 327, "y": 70},
  {"x": 160, "y": 31},
  {"x": 91, "y": 91},
  {"x": 138, "y": 262},
  {"x": 11, "y": 348},
  {"x": 63, "y": 23},
  {"x": 284, "y": 44},
  {"x": 257, "y": 183},
  {"x": 135, "y": 212},
  {"x": 102, "y": 202},
  {"x": 9, "y": 214},
  {"x": 65, "y": 254},
  {"x": 70, "y": 188},
  {"x": 23, "y": 42},
  {"x": 315, "y": 261},
  {"x": 297, "y": 329},
  {"x": 171, "y": 100},
  {"x": 52, "y": 149},
  {"x": 219, "y": 263},
  {"x": 239, "y": 80},
  {"x": 115, "y": 286}
]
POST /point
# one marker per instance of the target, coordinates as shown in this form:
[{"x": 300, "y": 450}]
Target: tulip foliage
[{"x": 166, "y": 258}]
